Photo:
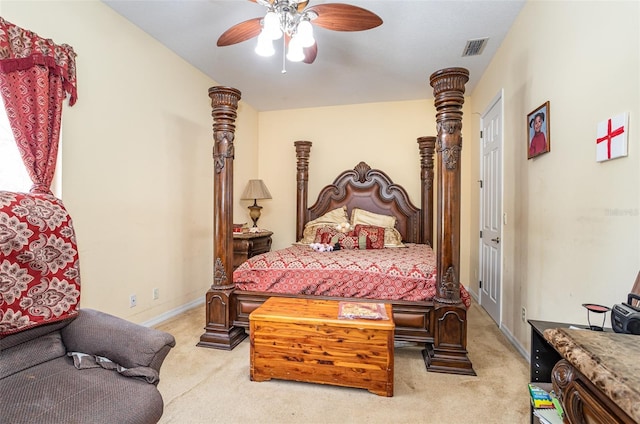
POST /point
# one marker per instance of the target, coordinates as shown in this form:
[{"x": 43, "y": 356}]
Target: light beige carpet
[{"x": 201, "y": 385}]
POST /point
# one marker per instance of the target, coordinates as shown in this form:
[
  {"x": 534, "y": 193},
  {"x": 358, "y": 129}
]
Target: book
[
  {"x": 548, "y": 416},
  {"x": 361, "y": 310},
  {"x": 540, "y": 398},
  {"x": 557, "y": 405}
]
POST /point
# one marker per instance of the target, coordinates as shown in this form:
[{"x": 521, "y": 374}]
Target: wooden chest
[{"x": 303, "y": 340}]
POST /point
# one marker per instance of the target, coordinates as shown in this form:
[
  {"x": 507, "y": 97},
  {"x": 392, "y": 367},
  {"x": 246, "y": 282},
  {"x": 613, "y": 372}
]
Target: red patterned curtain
[{"x": 35, "y": 76}]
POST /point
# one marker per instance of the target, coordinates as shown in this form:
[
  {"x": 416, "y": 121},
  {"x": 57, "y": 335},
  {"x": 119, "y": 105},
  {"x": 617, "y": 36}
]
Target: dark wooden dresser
[
  {"x": 594, "y": 373},
  {"x": 597, "y": 380},
  {"x": 247, "y": 245}
]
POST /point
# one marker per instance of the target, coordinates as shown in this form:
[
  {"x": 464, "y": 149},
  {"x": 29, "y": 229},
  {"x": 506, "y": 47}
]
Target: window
[{"x": 13, "y": 174}]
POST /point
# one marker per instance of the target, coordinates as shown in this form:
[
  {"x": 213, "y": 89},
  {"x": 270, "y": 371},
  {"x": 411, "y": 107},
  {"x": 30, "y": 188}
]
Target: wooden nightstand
[{"x": 247, "y": 245}]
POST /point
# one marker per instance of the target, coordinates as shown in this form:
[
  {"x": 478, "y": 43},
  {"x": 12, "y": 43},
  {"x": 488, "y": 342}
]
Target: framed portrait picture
[{"x": 538, "y": 135}]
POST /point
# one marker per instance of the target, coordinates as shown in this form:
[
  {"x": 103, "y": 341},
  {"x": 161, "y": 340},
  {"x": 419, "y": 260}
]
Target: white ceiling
[{"x": 392, "y": 62}]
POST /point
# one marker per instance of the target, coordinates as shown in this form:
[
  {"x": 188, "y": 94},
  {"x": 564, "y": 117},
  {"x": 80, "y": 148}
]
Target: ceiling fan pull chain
[{"x": 284, "y": 62}]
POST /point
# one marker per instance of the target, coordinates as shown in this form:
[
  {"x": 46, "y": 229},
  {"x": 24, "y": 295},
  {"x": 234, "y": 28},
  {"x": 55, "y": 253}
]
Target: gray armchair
[
  {"x": 57, "y": 373},
  {"x": 59, "y": 363}
]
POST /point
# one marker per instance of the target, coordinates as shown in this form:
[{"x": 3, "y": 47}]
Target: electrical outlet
[
  {"x": 524, "y": 314},
  {"x": 133, "y": 301},
  {"x": 156, "y": 293}
]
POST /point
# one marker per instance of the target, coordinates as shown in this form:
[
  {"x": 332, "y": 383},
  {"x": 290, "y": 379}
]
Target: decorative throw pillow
[
  {"x": 349, "y": 242},
  {"x": 392, "y": 238},
  {"x": 309, "y": 233},
  {"x": 374, "y": 236},
  {"x": 329, "y": 235},
  {"x": 324, "y": 234},
  {"x": 333, "y": 217}
]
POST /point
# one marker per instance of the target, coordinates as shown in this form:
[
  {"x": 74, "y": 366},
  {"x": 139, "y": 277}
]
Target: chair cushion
[{"x": 57, "y": 392}]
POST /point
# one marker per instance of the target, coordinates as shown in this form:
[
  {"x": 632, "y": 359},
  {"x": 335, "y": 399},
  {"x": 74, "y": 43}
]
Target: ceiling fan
[{"x": 292, "y": 20}]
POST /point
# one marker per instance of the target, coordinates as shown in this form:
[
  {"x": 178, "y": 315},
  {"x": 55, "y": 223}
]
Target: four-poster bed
[{"x": 438, "y": 322}]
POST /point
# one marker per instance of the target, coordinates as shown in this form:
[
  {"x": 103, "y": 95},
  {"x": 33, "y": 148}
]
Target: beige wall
[
  {"x": 137, "y": 165},
  {"x": 573, "y": 229}
]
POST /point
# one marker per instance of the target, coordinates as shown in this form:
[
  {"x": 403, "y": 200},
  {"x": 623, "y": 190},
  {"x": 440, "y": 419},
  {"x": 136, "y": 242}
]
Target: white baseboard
[
  {"x": 515, "y": 343},
  {"x": 174, "y": 312},
  {"x": 473, "y": 295},
  {"x": 507, "y": 333}
]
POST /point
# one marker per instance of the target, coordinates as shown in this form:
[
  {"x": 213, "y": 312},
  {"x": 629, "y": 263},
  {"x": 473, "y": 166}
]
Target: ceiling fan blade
[
  {"x": 240, "y": 32},
  {"x": 344, "y": 17},
  {"x": 310, "y": 53}
]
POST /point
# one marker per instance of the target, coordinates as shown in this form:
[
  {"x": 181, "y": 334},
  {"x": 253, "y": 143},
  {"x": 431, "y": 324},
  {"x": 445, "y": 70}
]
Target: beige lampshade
[{"x": 256, "y": 189}]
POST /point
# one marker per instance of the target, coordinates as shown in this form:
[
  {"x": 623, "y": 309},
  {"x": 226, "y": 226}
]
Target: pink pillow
[{"x": 374, "y": 235}]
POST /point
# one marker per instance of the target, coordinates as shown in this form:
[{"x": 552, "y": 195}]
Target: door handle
[{"x": 496, "y": 240}]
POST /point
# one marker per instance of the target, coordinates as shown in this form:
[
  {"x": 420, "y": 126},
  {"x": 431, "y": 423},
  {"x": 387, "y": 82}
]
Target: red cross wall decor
[{"x": 611, "y": 140}]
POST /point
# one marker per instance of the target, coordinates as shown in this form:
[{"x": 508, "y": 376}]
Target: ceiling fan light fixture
[
  {"x": 271, "y": 25},
  {"x": 265, "y": 45},
  {"x": 295, "y": 52},
  {"x": 293, "y": 21},
  {"x": 305, "y": 33}
]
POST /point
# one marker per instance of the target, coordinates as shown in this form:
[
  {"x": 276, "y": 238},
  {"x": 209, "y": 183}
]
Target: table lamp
[{"x": 256, "y": 189}]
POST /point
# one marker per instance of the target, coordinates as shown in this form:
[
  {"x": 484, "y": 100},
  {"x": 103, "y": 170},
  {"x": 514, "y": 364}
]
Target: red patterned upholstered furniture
[{"x": 60, "y": 363}]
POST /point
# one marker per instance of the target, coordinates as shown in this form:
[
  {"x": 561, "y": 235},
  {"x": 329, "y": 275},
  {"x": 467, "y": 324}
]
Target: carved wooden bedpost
[
  {"x": 303, "y": 148},
  {"x": 219, "y": 330},
  {"x": 449, "y": 350},
  {"x": 427, "y": 148},
  {"x": 448, "y": 90}
]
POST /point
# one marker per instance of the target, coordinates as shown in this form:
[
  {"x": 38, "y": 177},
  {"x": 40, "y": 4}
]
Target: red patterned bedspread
[{"x": 383, "y": 274}]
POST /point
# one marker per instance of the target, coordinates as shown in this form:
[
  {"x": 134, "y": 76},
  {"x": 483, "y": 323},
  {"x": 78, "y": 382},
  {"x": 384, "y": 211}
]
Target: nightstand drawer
[{"x": 247, "y": 245}]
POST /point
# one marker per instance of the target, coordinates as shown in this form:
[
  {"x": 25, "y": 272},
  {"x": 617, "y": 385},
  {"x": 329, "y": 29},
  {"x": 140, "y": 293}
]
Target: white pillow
[
  {"x": 336, "y": 216},
  {"x": 361, "y": 216}
]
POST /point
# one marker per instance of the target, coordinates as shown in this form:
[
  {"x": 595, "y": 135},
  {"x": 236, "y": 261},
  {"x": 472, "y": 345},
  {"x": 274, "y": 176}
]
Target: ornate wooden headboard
[{"x": 361, "y": 187}]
